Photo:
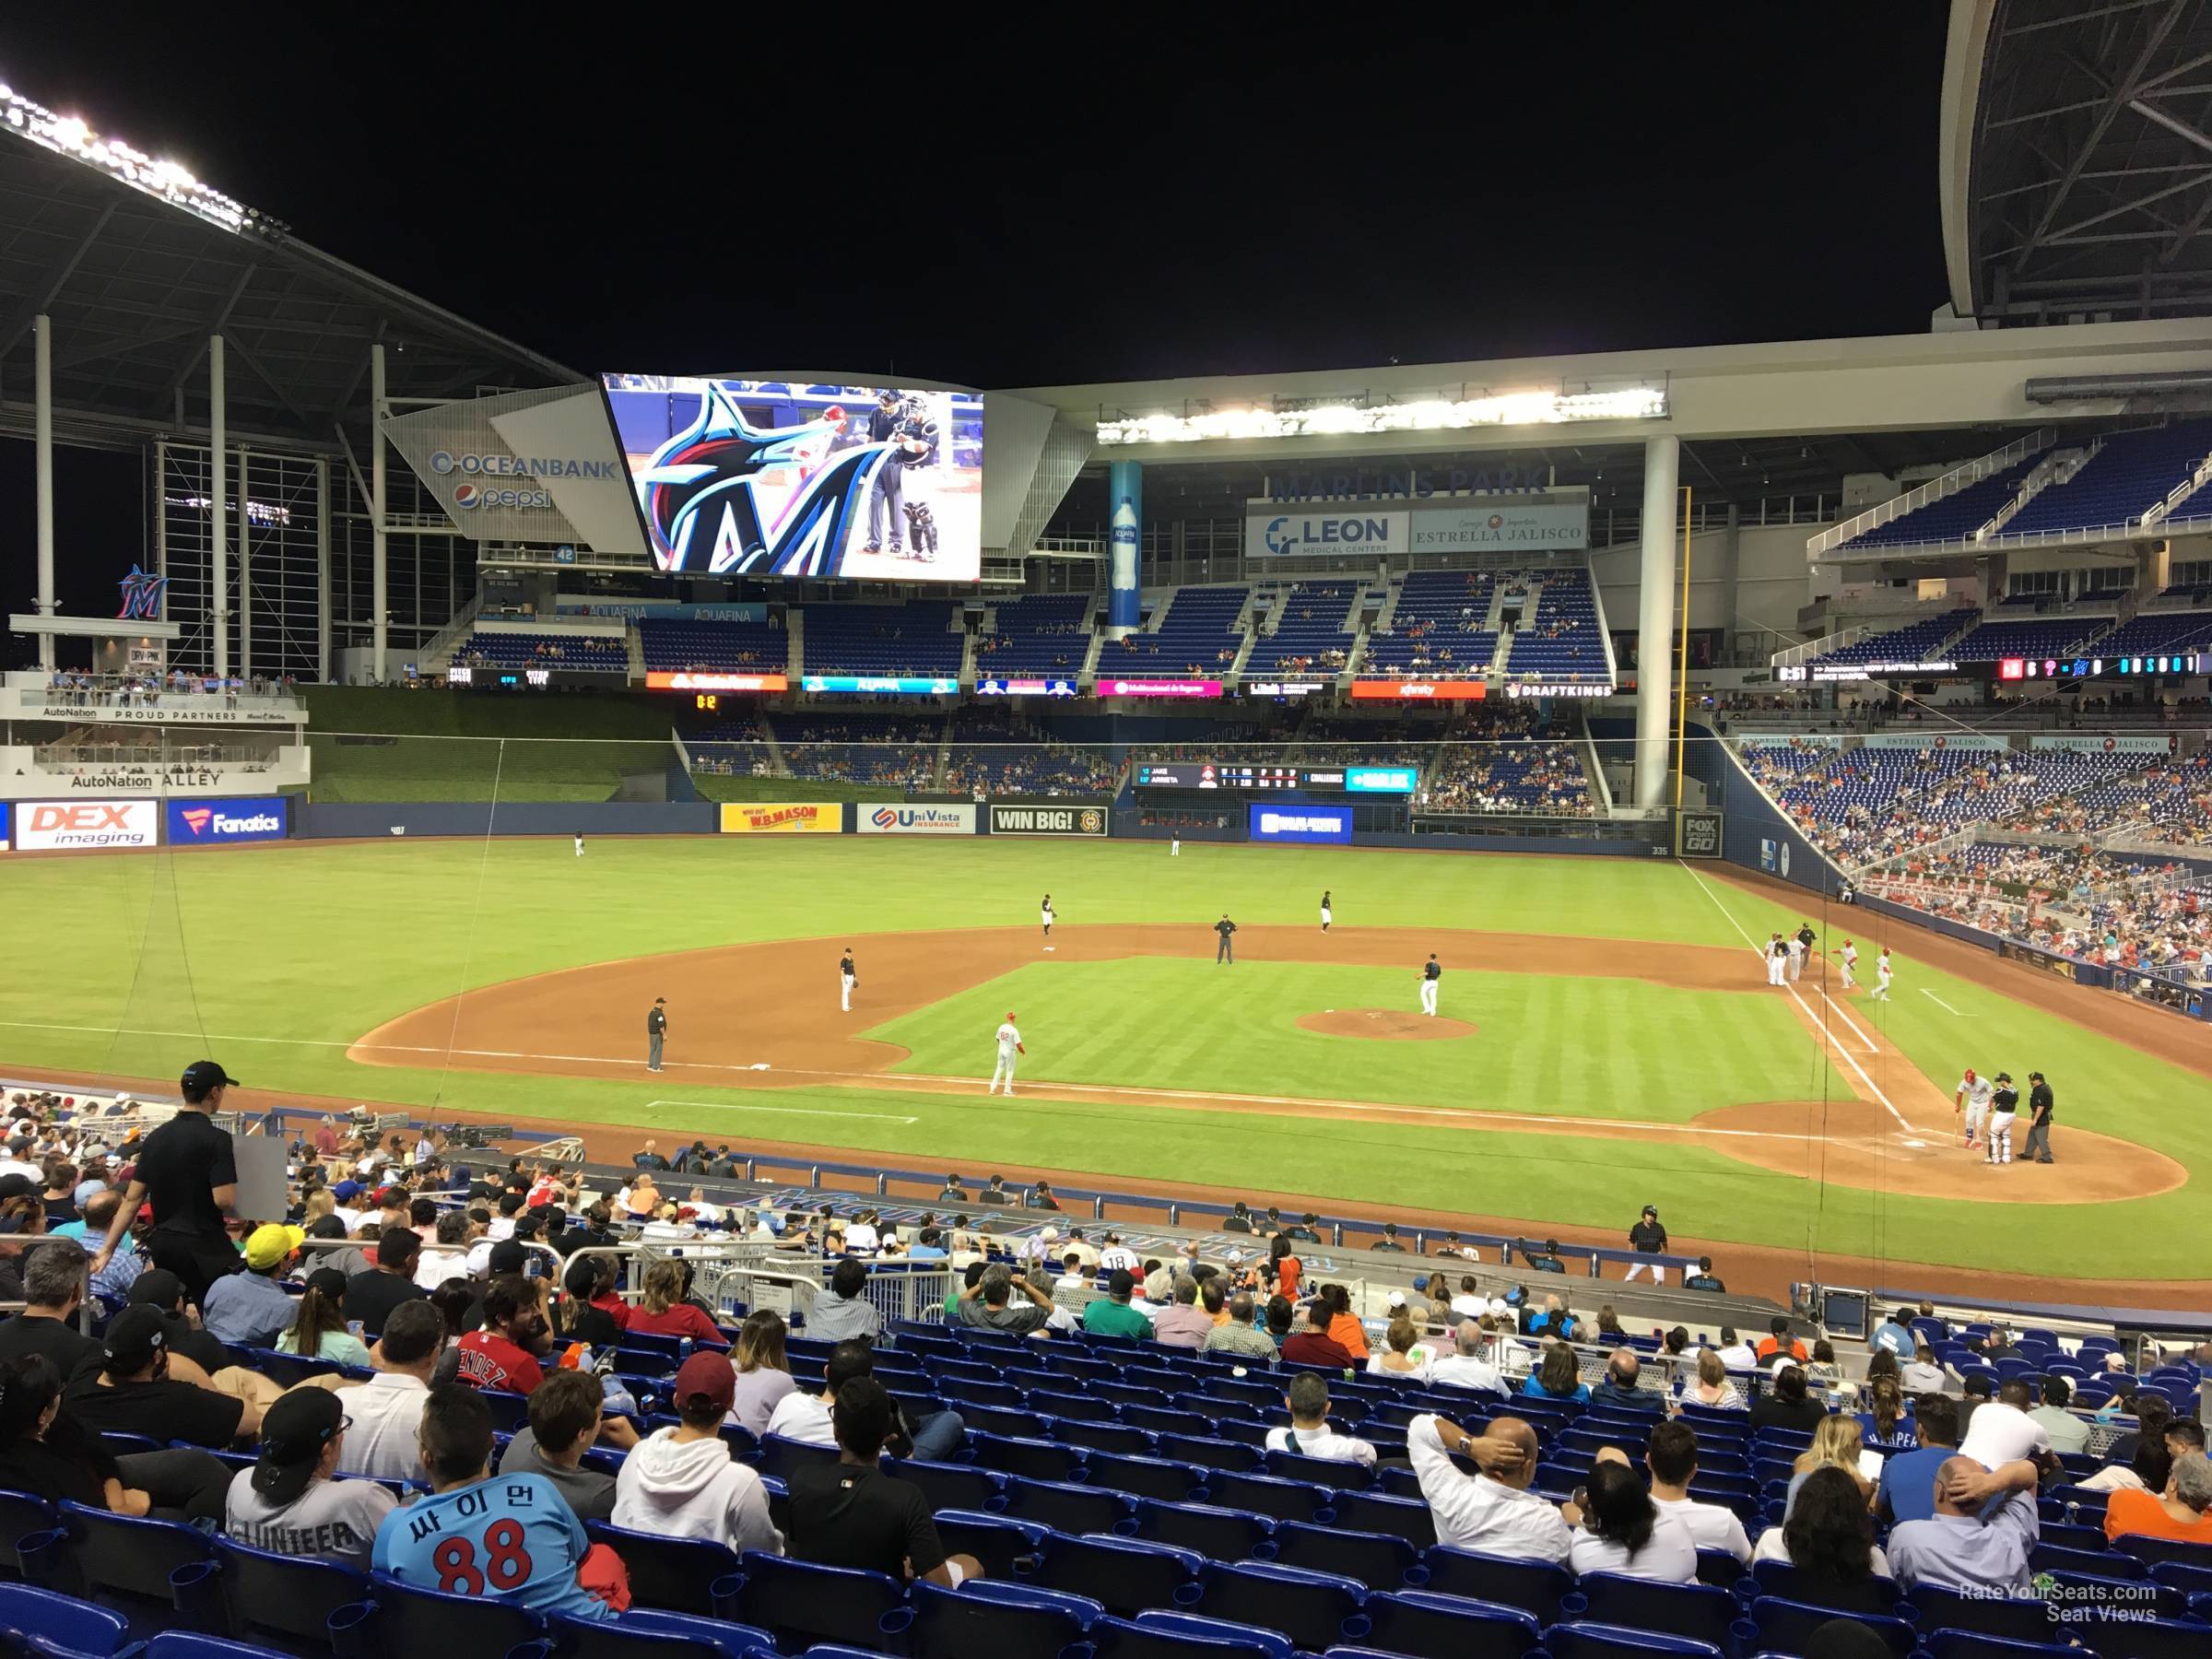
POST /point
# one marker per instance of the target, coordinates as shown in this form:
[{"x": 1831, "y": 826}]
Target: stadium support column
[
  {"x": 1655, "y": 616},
  {"x": 219, "y": 509},
  {"x": 322, "y": 570},
  {"x": 43, "y": 463},
  {"x": 1126, "y": 504},
  {"x": 379, "y": 542}
]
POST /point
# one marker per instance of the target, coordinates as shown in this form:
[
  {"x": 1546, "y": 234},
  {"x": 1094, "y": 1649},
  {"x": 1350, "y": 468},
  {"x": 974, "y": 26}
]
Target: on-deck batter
[{"x": 1009, "y": 1045}]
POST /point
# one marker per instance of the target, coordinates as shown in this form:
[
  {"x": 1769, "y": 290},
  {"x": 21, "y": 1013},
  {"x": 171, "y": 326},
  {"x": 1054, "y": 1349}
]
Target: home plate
[
  {"x": 757, "y": 1066},
  {"x": 1908, "y": 1141}
]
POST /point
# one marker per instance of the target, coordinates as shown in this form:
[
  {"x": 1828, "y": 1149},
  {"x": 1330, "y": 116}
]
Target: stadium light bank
[
  {"x": 70, "y": 136},
  {"x": 1428, "y": 415}
]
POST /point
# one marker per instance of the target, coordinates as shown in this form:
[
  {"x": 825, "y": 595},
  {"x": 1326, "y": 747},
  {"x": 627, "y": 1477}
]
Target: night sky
[{"x": 1001, "y": 199}]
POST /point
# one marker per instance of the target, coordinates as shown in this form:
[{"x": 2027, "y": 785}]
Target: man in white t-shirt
[
  {"x": 1309, "y": 1434},
  {"x": 1009, "y": 1045},
  {"x": 2001, "y": 1431},
  {"x": 1117, "y": 1254},
  {"x": 385, "y": 1441},
  {"x": 1467, "y": 1368},
  {"x": 1672, "y": 1457},
  {"x": 1470, "y": 1303},
  {"x": 1736, "y": 1353}
]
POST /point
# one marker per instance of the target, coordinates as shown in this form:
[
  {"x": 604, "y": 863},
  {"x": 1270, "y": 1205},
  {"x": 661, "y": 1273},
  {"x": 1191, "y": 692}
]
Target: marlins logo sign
[{"x": 701, "y": 503}]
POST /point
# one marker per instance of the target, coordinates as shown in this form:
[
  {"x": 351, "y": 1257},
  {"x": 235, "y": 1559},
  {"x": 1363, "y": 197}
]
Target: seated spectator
[
  {"x": 805, "y": 1416},
  {"x": 1737, "y": 1355},
  {"x": 1623, "y": 1531},
  {"x": 126, "y": 1262},
  {"x": 682, "y": 1482},
  {"x": 1823, "y": 1372},
  {"x": 1314, "y": 1345},
  {"x": 665, "y": 1313},
  {"x": 1237, "y": 1334},
  {"x": 954, "y": 1193},
  {"x": 845, "y": 1313},
  {"x": 139, "y": 1387},
  {"x": 991, "y": 1303},
  {"x": 1309, "y": 1434},
  {"x": 52, "y": 1291},
  {"x": 1713, "y": 1387},
  {"x": 1907, "y": 1490},
  {"x": 567, "y": 1420},
  {"x": 511, "y": 1539},
  {"x": 291, "y": 1502},
  {"x": 1466, "y": 1367},
  {"x": 1470, "y": 1302},
  {"x": 1493, "y": 1511},
  {"x": 1779, "y": 1342},
  {"x": 763, "y": 1372},
  {"x": 1402, "y": 1355},
  {"x": 2067, "y": 1431},
  {"x": 1344, "y": 1329},
  {"x": 1619, "y": 1387},
  {"x": 1829, "y": 1535},
  {"x": 1788, "y": 1406},
  {"x": 577, "y": 1316},
  {"x": 1110, "y": 1315},
  {"x": 46, "y": 1452},
  {"x": 318, "y": 1328},
  {"x": 850, "y": 1513},
  {"x": 1887, "y": 1425},
  {"x": 2000, "y": 1431},
  {"x": 251, "y": 1309},
  {"x": 1672, "y": 1457},
  {"x": 1557, "y": 1376},
  {"x": 1837, "y": 1446},
  {"x": 1921, "y": 1374},
  {"x": 372, "y": 1295},
  {"x": 387, "y": 1411},
  {"x": 2183, "y": 1511},
  {"x": 2152, "y": 1414},
  {"x": 504, "y": 1354},
  {"x": 445, "y": 1254},
  {"x": 1968, "y": 1543}
]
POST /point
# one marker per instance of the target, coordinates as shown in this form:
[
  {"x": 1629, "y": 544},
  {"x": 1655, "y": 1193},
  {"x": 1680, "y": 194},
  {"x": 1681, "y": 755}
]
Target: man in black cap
[
  {"x": 157, "y": 1288},
  {"x": 1648, "y": 1238},
  {"x": 188, "y": 1170},
  {"x": 139, "y": 1388},
  {"x": 656, "y": 1028},
  {"x": 289, "y": 1504},
  {"x": 2041, "y": 1107}
]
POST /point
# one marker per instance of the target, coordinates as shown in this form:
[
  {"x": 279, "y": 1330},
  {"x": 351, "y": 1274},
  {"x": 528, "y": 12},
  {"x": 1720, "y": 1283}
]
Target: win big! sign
[
  {"x": 60, "y": 826},
  {"x": 222, "y": 823},
  {"x": 1048, "y": 817}
]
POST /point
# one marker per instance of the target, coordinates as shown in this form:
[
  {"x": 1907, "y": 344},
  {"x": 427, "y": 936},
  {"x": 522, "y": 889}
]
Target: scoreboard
[{"x": 1215, "y": 774}]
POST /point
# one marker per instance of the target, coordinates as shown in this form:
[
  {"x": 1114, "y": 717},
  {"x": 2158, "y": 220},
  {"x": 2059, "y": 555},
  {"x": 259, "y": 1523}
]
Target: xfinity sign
[{"x": 222, "y": 823}]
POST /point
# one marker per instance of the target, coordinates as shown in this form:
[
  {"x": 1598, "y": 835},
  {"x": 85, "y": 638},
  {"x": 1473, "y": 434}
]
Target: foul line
[
  {"x": 1829, "y": 1037},
  {"x": 1937, "y": 1000},
  {"x": 879, "y": 1117}
]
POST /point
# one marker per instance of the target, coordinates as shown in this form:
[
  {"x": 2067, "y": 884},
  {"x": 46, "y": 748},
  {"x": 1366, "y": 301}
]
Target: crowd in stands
[
  {"x": 1046, "y": 634},
  {"x": 863, "y": 747},
  {"x": 426, "y": 1373},
  {"x": 600, "y": 654},
  {"x": 685, "y": 646},
  {"x": 78, "y": 689}
]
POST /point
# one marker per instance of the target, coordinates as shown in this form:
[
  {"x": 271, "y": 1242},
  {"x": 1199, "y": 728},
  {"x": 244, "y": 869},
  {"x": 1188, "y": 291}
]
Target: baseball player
[
  {"x": 1850, "y": 956},
  {"x": 1795, "y": 956},
  {"x": 1324, "y": 911},
  {"x": 846, "y": 979},
  {"x": 1778, "y": 960},
  {"x": 1432, "y": 973},
  {"x": 1009, "y": 1045},
  {"x": 2004, "y": 1104},
  {"x": 579, "y": 843},
  {"x": 890, "y": 475},
  {"x": 922, "y": 531},
  {"x": 1972, "y": 1101},
  {"x": 1044, "y": 912},
  {"x": 1175, "y": 843},
  {"x": 1881, "y": 976}
]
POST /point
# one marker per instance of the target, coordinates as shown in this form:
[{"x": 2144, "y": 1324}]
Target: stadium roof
[
  {"x": 137, "y": 276},
  {"x": 2077, "y": 159}
]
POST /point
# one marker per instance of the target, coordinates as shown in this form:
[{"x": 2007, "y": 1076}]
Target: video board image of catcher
[{"x": 783, "y": 478}]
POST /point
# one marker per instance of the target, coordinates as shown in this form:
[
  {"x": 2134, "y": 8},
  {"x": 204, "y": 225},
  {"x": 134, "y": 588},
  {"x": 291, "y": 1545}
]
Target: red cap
[
  {"x": 1009, "y": 1013},
  {"x": 707, "y": 1376},
  {"x": 1970, "y": 1074}
]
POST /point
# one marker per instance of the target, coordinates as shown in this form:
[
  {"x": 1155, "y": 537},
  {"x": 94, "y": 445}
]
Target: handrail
[
  {"x": 1935, "y": 489},
  {"x": 2180, "y": 492}
]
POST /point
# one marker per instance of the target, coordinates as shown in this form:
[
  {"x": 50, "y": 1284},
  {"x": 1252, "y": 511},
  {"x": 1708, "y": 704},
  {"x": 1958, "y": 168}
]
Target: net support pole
[
  {"x": 1682, "y": 671},
  {"x": 43, "y": 443},
  {"x": 379, "y": 540},
  {"x": 219, "y": 509},
  {"x": 1655, "y": 597}
]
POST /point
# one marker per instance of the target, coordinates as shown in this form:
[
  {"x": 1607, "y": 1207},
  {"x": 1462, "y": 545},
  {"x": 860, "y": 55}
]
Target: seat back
[
  {"x": 26, "y": 1610},
  {"x": 1123, "y": 1575},
  {"x": 1266, "y": 1495},
  {"x": 1327, "y": 1473},
  {"x": 815, "y": 1603},
  {"x": 265, "y": 1594},
  {"x": 1065, "y": 1507},
  {"x": 781, "y": 1456},
  {"x": 1304, "y": 1605},
  {"x": 1217, "y": 1533},
  {"x": 675, "y": 1574},
  {"x": 1793, "y": 1584},
  {"x": 2016, "y": 1618},
  {"x": 999, "y": 1545},
  {"x": 1142, "y": 1476},
  {"x": 1407, "y": 1518},
  {"x": 646, "y": 1633},
  {"x": 1425, "y": 1626},
  {"x": 1006, "y": 1619},
  {"x": 1698, "y": 1611},
  {"x": 951, "y": 1485},
  {"x": 1534, "y": 1587},
  {"x": 1785, "y": 1626},
  {"x": 1208, "y": 1453},
  {"x": 118, "y": 1555},
  {"x": 1593, "y": 1641},
  {"x": 1154, "y": 1636},
  {"x": 1979, "y": 1644},
  {"x": 1379, "y": 1560},
  {"x": 415, "y": 1620}
]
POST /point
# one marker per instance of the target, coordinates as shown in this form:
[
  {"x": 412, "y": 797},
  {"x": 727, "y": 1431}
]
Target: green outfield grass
[
  {"x": 717, "y": 787},
  {"x": 274, "y": 959}
]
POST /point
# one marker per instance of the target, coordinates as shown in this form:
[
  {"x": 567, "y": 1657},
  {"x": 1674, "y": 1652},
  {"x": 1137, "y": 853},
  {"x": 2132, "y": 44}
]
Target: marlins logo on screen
[{"x": 700, "y": 495}]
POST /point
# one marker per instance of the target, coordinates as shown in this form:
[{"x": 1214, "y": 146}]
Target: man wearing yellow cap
[{"x": 251, "y": 1309}]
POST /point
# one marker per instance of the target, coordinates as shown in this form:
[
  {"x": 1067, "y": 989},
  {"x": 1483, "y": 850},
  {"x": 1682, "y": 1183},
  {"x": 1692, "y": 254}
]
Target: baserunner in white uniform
[
  {"x": 1881, "y": 976},
  {"x": 579, "y": 843},
  {"x": 1850, "y": 956},
  {"x": 1778, "y": 958},
  {"x": 1972, "y": 1101},
  {"x": 1009, "y": 1045}
]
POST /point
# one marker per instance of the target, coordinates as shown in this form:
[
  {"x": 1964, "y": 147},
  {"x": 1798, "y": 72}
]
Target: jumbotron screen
[{"x": 784, "y": 478}]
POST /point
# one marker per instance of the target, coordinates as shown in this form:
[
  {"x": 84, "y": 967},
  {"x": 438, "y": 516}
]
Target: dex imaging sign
[
  {"x": 220, "y": 823},
  {"x": 1300, "y": 823},
  {"x": 63, "y": 826}
]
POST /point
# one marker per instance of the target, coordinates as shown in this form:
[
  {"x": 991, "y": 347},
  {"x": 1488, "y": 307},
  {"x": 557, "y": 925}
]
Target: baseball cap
[
  {"x": 269, "y": 1245},
  {"x": 2004, "y": 1076},
  {"x": 507, "y": 1256},
  {"x": 1652, "y": 1211},
  {"x": 1396, "y": 1299},
  {"x": 706, "y": 1377},
  {"x": 17, "y": 1186},
  {"x": 293, "y": 1433},
  {"x": 346, "y": 1191},
  {"x": 1050, "y": 1233},
  {"x": 135, "y": 1336},
  {"x": 155, "y": 1288},
  {"x": 203, "y": 1075}
]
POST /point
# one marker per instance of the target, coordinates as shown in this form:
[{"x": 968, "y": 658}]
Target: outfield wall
[{"x": 354, "y": 820}]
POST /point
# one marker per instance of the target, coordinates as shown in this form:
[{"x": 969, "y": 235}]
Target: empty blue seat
[
  {"x": 1300, "y": 1603},
  {"x": 403, "y": 1618},
  {"x": 1144, "y": 1476},
  {"x": 673, "y": 1573},
  {"x": 1427, "y": 1626},
  {"x": 1217, "y": 1533},
  {"x": 1594, "y": 1641},
  {"x": 1266, "y": 1495},
  {"x": 2148, "y": 1637},
  {"x": 22, "y": 1515},
  {"x": 71, "y": 1625},
  {"x": 1535, "y": 1587},
  {"x": 260, "y": 1596},
  {"x": 1327, "y": 1472},
  {"x": 2016, "y": 1618},
  {"x": 643, "y": 1633},
  {"x": 1123, "y": 1575},
  {"x": 1379, "y": 1560},
  {"x": 190, "y": 1644},
  {"x": 1407, "y": 1518},
  {"x": 1875, "y": 1595},
  {"x": 127, "y": 1560},
  {"x": 992, "y": 1616},
  {"x": 1118, "y": 1438},
  {"x": 2151, "y": 1550},
  {"x": 1030, "y": 1459},
  {"x": 951, "y": 1485},
  {"x": 816, "y": 1603},
  {"x": 1209, "y": 1454},
  {"x": 1780, "y": 1626},
  {"x": 1159, "y": 1635},
  {"x": 1065, "y": 1507},
  {"x": 1978, "y": 1645},
  {"x": 1698, "y": 1611}
]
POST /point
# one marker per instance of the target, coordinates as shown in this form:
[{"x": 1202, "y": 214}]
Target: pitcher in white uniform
[
  {"x": 1009, "y": 1045},
  {"x": 1433, "y": 972}
]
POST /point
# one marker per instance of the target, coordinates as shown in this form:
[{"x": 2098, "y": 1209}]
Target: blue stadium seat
[
  {"x": 997, "y": 1544},
  {"x": 1535, "y": 1587},
  {"x": 1774, "y": 1625},
  {"x": 1266, "y": 1495},
  {"x": 1698, "y": 1611},
  {"x": 1978, "y": 1645},
  {"x": 1123, "y": 1575},
  {"x": 1208, "y": 1452},
  {"x": 1145, "y": 1477},
  {"x": 1065, "y": 1507},
  {"x": 1030, "y": 1459},
  {"x": 69, "y": 1625},
  {"x": 1060, "y": 1400},
  {"x": 1791, "y": 1584},
  {"x": 1301, "y": 1605},
  {"x": 815, "y": 1603},
  {"x": 781, "y": 1456},
  {"x": 951, "y": 1485},
  {"x": 1322, "y": 1472},
  {"x": 1424, "y": 1625},
  {"x": 672, "y": 1573},
  {"x": 127, "y": 1563},
  {"x": 992, "y": 1616},
  {"x": 2016, "y": 1618},
  {"x": 1161, "y": 1635},
  {"x": 1717, "y": 1567},
  {"x": 1379, "y": 1560},
  {"x": 1407, "y": 1518},
  {"x": 643, "y": 1633},
  {"x": 2151, "y": 1551},
  {"x": 1219, "y": 1535},
  {"x": 190, "y": 1644},
  {"x": 1612, "y": 1641},
  {"x": 1092, "y": 1436},
  {"x": 2148, "y": 1637},
  {"x": 2097, "y": 1564},
  {"x": 261, "y": 1596},
  {"x": 22, "y": 1515},
  {"x": 401, "y": 1619}
]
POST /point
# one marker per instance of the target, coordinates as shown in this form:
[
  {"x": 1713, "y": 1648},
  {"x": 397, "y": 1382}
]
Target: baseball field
[{"x": 1607, "y": 1038}]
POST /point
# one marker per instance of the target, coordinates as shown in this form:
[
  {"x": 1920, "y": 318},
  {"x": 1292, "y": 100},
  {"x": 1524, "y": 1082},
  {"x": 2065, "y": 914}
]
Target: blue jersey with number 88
[{"x": 512, "y": 1539}]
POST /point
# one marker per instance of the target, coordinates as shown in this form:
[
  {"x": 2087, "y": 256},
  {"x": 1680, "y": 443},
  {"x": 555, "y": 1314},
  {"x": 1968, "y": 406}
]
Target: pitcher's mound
[{"x": 1392, "y": 1025}]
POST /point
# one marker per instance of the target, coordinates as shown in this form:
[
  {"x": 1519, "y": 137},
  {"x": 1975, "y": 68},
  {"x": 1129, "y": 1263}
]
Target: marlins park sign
[{"x": 1048, "y": 817}]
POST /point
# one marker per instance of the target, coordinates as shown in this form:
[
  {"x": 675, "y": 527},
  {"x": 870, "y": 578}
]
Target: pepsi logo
[{"x": 465, "y": 496}]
